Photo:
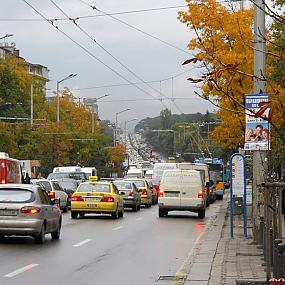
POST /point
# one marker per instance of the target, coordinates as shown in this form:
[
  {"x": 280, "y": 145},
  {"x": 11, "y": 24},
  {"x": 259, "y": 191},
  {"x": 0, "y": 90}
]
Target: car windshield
[
  {"x": 68, "y": 185},
  {"x": 15, "y": 196},
  {"x": 91, "y": 187},
  {"x": 138, "y": 183},
  {"x": 45, "y": 185},
  {"x": 123, "y": 185},
  {"x": 73, "y": 175}
]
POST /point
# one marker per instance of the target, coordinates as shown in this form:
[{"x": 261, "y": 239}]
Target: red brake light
[
  {"x": 30, "y": 210},
  {"x": 107, "y": 199},
  {"x": 131, "y": 194},
  {"x": 201, "y": 194},
  {"x": 161, "y": 193},
  {"x": 211, "y": 190},
  {"x": 77, "y": 198},
  {"x": 51, "y": 195},
  {"x": 144, "y": 192}
]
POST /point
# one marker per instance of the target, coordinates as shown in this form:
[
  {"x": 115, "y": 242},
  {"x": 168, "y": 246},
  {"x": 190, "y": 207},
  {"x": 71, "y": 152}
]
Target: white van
[
  {"x": 90, "y": 171},
  {"x": 67, "y": 169},
  {"x": 182, "y": 190},
  {"x": 134, "y": 173}
]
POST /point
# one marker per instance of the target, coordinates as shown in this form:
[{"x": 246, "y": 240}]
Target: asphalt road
[{"x": 137, "y": 249}]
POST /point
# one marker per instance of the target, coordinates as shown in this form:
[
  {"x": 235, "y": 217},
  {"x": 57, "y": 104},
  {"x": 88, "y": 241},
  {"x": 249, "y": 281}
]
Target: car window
[
  {"x": 116, "y": 189},
  {"x": 92, "y": 187},
  {"x": 44, "y": 197},
  {"x": 139, "y": 183},
  {"x": 56, "y": 186},
  {"x": 123, "y": 185},
  {"x": 16, "y": 196},
  {"x": 78, "y": 176},
  {"x": 45, "y": 185}
]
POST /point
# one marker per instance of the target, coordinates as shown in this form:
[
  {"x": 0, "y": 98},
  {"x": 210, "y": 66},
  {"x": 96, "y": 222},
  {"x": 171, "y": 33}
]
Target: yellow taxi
[
  {"x": 144, "y": 189},
  {"x": 95, "y": 197}
]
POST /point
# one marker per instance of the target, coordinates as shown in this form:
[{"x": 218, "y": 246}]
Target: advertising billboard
[{"x": 257, "y": 133}]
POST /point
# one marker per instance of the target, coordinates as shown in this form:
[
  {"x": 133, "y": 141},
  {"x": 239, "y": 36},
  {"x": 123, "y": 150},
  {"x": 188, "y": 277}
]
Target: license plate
[
  {"x": 92, "y": 199},
  {"x": 171, "y": 194},
  {"x": 8, "y": 212},
  {"x": 92, "y": 206}
]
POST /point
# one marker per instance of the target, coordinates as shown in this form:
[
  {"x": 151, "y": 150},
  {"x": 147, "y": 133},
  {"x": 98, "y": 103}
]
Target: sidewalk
[{"x": 220, "y": 260}]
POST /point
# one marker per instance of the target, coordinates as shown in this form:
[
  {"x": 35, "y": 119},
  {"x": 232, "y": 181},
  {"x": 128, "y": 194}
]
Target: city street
[{"x": 137, "y": 249}]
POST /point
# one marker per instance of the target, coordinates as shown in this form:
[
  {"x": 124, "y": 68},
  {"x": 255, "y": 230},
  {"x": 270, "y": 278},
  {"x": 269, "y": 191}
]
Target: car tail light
[
  {"x": 201, "y": 194},
  {"x": 30, "y": 210},
  {"x": 211, "y": 190},
  {"x": 107, "y": 199},
  {"x": 161, "y": 193},
  {"x": 131, "y": 194},
  {"x": 51, "y": 195},
  {"x": 144, "y": 192},
  {"x": 77, "y": 198}
]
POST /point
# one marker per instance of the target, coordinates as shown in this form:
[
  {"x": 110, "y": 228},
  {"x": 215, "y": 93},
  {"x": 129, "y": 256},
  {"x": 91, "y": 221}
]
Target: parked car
[
  {"x": 97, "y": 198},
  {"x": 27, "y": 210},
  {"x": 130, "y": 193},
  {"x": 144, "y": 189},
  {"x": 182, "y": 190},
  {"x": 51, "y": 186},
  {"x": 69, "y": 186}
]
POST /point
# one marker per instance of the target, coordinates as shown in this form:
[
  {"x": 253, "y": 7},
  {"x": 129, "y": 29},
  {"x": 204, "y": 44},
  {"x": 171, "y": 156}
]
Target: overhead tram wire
[
  {"x": 87, "y": 51},
  {"x": 93, "y": 16},
  {"x": 159, "y": 92},
  {"x": 128, "y": 84},
  {"x": 135, "y": 28},
  {"x": 110, "y": 54}
]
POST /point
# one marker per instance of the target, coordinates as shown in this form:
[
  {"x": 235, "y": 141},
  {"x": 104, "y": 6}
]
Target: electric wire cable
[
  {"x": 87, "y": 51},
  {"x": 110, "y": 54}
]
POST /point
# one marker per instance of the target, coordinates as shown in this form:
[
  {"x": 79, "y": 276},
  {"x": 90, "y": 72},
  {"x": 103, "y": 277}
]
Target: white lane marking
[
  {"x": 82, "y": 242},
  {"x": 139, "y": 219},
  {"x": 20, "y": 270},
  {"x": 117, "y": 228}
]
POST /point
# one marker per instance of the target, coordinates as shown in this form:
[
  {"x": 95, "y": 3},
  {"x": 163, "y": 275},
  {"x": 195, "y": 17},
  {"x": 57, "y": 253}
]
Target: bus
[{"x": 10, "y": 169}]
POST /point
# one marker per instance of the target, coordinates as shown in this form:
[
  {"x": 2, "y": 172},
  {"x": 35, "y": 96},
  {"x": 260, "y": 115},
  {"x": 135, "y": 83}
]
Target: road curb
[{"x": 203, "y": 251}]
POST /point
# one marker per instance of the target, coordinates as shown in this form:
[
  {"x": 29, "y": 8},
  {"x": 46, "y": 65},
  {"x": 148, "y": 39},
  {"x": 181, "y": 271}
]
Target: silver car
[
  {"x": 130, "y": 194},
  {"x": 27, "y": 210},
  {"x": 53, "y": 186}
]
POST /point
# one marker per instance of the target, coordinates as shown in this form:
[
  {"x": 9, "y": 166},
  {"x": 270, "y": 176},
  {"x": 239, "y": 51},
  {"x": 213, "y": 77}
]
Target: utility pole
[
  {"x": 259, "y": 157},
  {"x": 32, "y": 106}
]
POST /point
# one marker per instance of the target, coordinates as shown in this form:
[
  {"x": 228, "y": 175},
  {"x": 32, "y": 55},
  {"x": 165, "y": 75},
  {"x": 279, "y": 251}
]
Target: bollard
[
  {"x": 261, "y": 231},
  {"x": 271, "y": 246},
  {"x": 275, "y": 256},
  {"x": 281, "y": 250}
]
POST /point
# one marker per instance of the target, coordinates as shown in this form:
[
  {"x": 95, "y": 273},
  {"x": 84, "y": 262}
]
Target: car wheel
[
  {"x": 135, "y": 208},
  {"x": 161, "y": 213},
  {"x": 65, "y": 209},
  {"x": 201, "y": 214},
  {"x": 150, "y": 204},
  {"x": 121, "y": 213},
  {"x": 41, "y": 237},
  {"x": 81, "y": 215},
  {"x": 139, "y": 207},
  {"x": 147, "y": 205},
  {"x": 115, "y": 215},
  {"x": 74, "y": 215},
  {"x": 56, "y": 234}
]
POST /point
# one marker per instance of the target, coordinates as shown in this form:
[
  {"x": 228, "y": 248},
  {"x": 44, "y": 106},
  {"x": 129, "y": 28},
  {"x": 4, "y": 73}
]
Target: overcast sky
[{"x": 149, "y": 59}]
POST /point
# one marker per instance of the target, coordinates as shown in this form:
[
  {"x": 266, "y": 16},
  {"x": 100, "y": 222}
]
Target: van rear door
[
  {"x": 171, "y": 186},
  {"x": 191, "y": 184}
]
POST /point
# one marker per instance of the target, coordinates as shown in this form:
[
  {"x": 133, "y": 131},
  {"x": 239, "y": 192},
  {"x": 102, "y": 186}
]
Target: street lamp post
[
  {"x": 116, "y": 122},
  {"x": 125, "y": 130},
  {"x": 90, "y": 102},
  {"x": 57, "y": 94}
]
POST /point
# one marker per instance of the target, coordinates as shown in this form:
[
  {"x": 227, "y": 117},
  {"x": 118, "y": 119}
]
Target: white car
[
  {"x": 182, "y": 190},
  {"x": 50, "y": 187}
]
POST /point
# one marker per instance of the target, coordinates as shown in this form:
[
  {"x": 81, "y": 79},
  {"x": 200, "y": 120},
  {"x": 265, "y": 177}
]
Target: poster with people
[{"x": 257, "y": 132}]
